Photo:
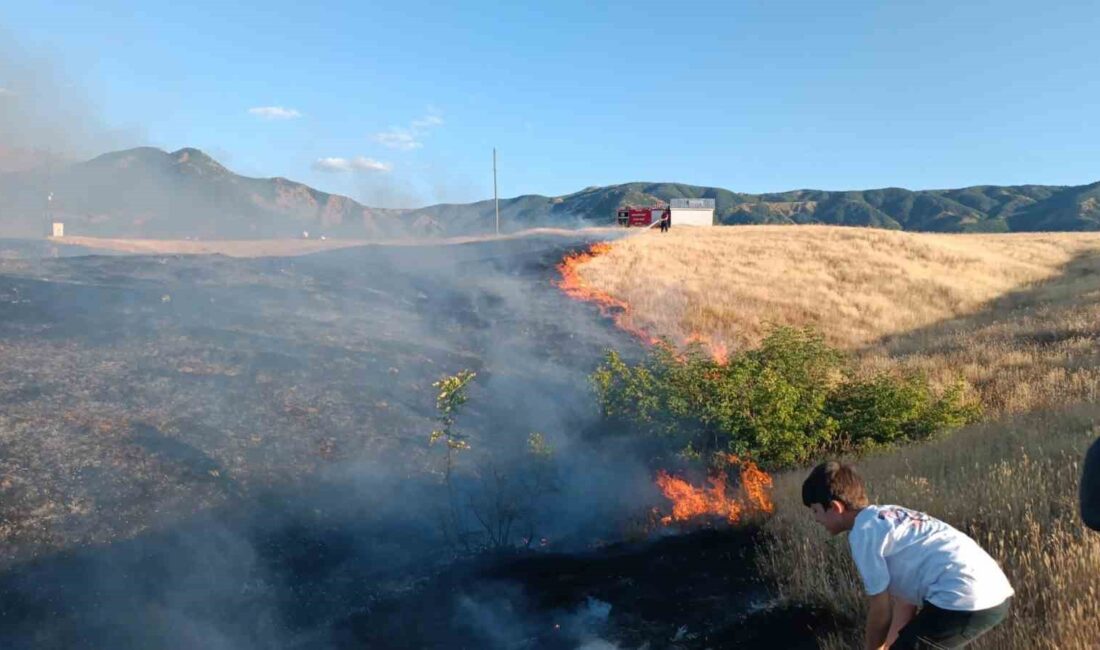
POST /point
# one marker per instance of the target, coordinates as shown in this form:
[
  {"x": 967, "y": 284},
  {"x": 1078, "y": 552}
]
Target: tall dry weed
[{"x": 1010, "y": 484}]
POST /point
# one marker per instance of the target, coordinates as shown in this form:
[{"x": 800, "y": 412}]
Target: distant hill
[
  {"x": 147, "y": 192},
  {"x": 983, "y": 208}
]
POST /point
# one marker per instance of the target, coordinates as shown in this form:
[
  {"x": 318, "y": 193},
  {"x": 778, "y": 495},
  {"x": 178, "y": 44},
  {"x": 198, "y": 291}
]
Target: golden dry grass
[
  {"x": 1018, "y": 316},
  {"x": 1010, "y": 484},
  {"x": 1033, "y": 349},
  {"x": 854, "y": 284}
]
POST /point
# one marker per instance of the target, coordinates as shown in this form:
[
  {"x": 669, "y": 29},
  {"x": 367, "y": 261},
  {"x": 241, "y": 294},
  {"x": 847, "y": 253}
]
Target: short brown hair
[{"x": 833, "y": 481}]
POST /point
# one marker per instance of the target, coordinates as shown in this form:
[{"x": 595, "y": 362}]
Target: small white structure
[
  {"x": 57, "y": 229},
  {"x": 692, "y": 212}
]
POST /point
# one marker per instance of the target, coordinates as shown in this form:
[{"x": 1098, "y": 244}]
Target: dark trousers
[{"x": 934, "y": 628}]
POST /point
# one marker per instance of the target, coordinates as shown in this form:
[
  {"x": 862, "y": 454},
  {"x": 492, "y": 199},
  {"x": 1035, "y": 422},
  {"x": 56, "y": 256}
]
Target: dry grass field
[
  {"x": 1011, "y": 484},
  {"x": 854, "y": 284},
  {"x": 1017, "y": 316},
  {"x": 1014, "y": 314}
]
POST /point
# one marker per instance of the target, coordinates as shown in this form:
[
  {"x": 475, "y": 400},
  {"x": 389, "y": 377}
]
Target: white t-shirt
[{"x": 920, "y": 558}]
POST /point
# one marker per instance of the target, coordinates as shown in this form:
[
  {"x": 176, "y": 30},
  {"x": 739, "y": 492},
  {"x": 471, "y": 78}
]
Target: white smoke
[{"x": 45, "y": 114}]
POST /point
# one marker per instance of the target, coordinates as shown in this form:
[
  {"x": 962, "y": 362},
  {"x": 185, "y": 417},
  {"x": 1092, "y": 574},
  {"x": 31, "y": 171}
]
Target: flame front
[
  {"x": 574, "y": 286},
  {"x": 619, "y": 311},
  {"x": 713, "y": 500}
]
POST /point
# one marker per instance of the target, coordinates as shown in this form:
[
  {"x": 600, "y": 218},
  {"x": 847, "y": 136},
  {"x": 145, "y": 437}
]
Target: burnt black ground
[
  {"x": 314, "y": 582},
  {"x": 693, "y": 590},
  {"x": 136, "y": 390},
  {"x": 223, "y": 453}
]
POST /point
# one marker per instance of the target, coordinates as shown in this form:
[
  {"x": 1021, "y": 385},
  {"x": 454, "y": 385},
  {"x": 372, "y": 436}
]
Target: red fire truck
[{"x": 643, "y": 216}]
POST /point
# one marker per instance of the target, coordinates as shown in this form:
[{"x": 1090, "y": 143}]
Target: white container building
[{"x": 692, "y": 212}]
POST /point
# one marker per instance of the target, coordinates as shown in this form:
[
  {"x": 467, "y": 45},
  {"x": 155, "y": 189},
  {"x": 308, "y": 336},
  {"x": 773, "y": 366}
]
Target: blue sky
[{"x": 401, "y": 103}]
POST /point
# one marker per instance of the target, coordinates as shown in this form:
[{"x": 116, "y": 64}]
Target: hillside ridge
[{"x": 149, "y": 192}]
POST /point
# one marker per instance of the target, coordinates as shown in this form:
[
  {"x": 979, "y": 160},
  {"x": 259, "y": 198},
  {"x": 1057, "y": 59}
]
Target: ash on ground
[{"x": 225, "y": 453}]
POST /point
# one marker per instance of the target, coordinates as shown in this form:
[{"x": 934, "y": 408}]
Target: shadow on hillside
[
  {"x": 1031, "y": 334},
  {"x": 1076, "y": 285}
]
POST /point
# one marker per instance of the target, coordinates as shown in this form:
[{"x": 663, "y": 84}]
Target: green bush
[
  {"x": 885, "y": 410},
  {"x": 782, "y": 403}
]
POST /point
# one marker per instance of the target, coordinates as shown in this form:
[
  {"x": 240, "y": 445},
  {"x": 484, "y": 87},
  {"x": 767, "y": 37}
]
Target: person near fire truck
[
  {"x": 666, "y": 220},
  {"x": 929, "y": 585}
]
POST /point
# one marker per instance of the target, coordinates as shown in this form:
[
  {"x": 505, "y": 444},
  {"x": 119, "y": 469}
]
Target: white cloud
[
  {"x": 427, "y": 122},
  {"x": 398, "y": 138},
  {"x": 410, "y": 137},
  {"x": 274, "y": 112},
  {"x": 5, "y": 91},
  {"x": 357, "y": 164}
]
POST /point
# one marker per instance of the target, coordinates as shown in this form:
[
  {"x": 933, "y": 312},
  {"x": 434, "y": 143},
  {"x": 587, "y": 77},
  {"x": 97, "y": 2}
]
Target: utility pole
[
  {"x": 49, "y": 194},
  {"x": 496, "y": 201}
]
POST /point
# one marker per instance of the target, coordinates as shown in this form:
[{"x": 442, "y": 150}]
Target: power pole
[
  {"x": 496, "y": 201},
  {"x": 49, "y": 194}
]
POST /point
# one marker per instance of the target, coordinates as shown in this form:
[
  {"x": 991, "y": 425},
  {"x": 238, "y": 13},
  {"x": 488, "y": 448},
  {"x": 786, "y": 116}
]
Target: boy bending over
[{"x": 909, "y": 561}]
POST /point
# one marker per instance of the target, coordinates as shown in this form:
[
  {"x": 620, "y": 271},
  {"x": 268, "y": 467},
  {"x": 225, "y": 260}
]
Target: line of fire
[{"x": 689, "y": 503}]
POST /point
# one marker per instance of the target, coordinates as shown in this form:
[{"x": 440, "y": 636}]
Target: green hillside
[
  {"x": 983, "y": 208},
  {"x": 1073, "y": 208}
]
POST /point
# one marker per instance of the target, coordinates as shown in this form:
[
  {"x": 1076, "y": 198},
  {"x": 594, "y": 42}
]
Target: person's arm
[
  {"x": 878, "y": 621},
  {"x": 869, "y": 542},
  {"x": 1090, "y": 487},
  {"x": 903, "y": 613}
]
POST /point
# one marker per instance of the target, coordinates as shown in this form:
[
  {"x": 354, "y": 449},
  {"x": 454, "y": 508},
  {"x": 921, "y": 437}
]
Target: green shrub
[
  {"x": 782, "y": 403},
  {"x": 885, "y": 410}
]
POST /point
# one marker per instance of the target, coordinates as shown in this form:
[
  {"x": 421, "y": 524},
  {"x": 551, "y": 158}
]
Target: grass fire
[
  {"x": 995, "y": 333},
  {"x": 574, "y": 284},
  {"x": 261, "y": 435},
  {"x": 378, "y": 366},
  {"x": 715, "y": 500}
]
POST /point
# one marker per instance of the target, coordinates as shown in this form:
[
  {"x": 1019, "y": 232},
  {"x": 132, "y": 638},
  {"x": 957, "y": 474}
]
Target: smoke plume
[{"x": 45, "y": 114}]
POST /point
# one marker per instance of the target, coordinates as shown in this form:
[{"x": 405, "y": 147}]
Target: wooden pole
[{"x": 496, "y": 201}]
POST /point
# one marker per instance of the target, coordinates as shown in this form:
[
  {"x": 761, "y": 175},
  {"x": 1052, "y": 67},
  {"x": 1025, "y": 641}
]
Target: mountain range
[
  {"x": 147, "y": 192},
  {"x": 150, "y": 193}
]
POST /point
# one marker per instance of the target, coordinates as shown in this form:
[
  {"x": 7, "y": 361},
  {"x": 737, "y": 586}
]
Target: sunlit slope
[{"x": 855, "y": 285}]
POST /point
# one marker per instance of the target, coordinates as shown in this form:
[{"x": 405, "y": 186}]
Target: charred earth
[{"x": 226, "y": 453}]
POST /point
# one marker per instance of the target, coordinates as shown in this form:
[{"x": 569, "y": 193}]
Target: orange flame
[
  {"x": 717, "y": 349},
  {"x": 574, "y": 286},
  {"x": 619, "y": 311},
  {"x": 713, "y": 501}
]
